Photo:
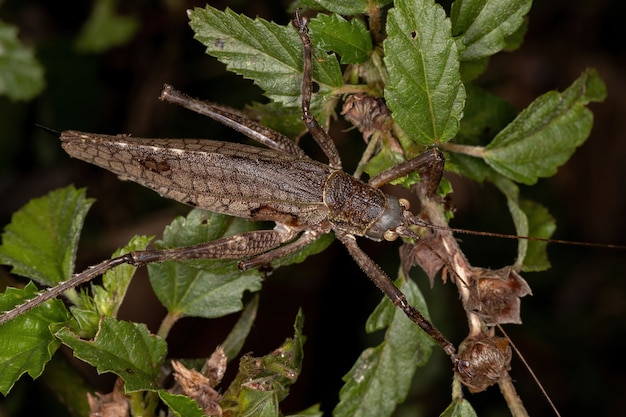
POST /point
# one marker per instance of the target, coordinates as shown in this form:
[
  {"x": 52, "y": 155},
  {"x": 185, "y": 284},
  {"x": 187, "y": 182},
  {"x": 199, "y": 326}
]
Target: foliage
[{"x": 423, "y": 69}]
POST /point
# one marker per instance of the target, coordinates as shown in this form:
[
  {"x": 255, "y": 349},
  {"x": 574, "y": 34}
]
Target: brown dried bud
[
  {"x": 497, "y": 296},
  {"x": 366, "y": 113},
  {"x": 489, "y": 359}
]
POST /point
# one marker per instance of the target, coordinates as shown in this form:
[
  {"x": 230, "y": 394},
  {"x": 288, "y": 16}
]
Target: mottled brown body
[{"x": 240, "y": 180}]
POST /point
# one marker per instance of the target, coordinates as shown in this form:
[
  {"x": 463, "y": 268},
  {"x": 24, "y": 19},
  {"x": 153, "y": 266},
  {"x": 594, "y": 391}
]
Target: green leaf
[
  {"x": 267, "y": 53},
  {"x": 105, "y": 29},
  {"x": 21, "y": 75},
  {"x": 238, "y": 334},
  {"x": 350, "y": 39},
  {"x": 126, "y": 349},
  {"x": 460, "y": 408},
  {"x": 26, "y": 342},
  {"x": 345, "y": 7},
  {"x": 520, "y": 220},
  {"x": 40, "y": 242},
  {"x": 207, "y": 287},
  {"x": 312, "y": 411},
  {"x": 381, "y": 377},
  {"x": 424, "y": 89},
  {"x": 546, "y": 134},
  {"x": 262, "y": 383},
  {"x": 482, "y": 27},
  {"x": 541, "y": 224},
  {"x": 181, "y": 405}
]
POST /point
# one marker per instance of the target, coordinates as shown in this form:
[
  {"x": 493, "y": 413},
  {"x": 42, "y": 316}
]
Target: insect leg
[
  {"x": 429, "y": 165},
  {"x": 232, "y": 247},
  {"x": 322, "y": 138},
  {"x": 233, "y": 119},
  {"x": 384, "y": 283},
  {"x": 306, "y": 238}
]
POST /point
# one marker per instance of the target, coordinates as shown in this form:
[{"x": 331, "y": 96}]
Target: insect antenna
[{"x": 421, "y": 223}]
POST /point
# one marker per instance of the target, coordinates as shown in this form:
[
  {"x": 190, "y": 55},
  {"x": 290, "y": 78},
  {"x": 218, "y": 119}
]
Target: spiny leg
[
  {"x": 239, "y": 246},
  {"x": 322, "y": 138},
  {"x": 384, "y": 283}
]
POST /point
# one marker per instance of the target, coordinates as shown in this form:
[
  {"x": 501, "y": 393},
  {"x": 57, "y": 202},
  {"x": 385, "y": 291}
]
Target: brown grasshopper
[{"x": 305, "y": 198}]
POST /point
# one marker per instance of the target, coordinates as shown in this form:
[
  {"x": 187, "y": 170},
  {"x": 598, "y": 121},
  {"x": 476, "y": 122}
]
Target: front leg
[{"x": 429, "y": 165}]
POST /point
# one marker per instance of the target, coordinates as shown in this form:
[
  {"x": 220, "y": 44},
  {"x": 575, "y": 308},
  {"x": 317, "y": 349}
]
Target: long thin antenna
[{"x": 421, "y": 223}]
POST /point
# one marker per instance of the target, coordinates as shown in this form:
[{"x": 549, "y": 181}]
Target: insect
[{"x": 304, "y": 197}]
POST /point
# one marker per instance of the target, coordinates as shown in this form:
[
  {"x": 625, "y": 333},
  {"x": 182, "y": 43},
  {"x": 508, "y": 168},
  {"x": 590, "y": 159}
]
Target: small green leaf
[
  {"x": 267, "y": 53},
  {"x": 26, "y": 342},
  {"x": 350, "y": 39},
  {"x": 541, "y": 224},
  {"x": 482, "y": 27},
  {"x": 21, "y": 75},
  {"x": 312, "y": 411},
  {"x": 126, "y": 349},
  {"x": 206, "y": 287},
  {"x": 546, "y": 134},
  {"x": 105, "y": 29},
  {"x": 424, "y": 90},
  {"x": 520, "y": 220},
  {"x": 460, "y": 408},
  {"x": 40, "y": 242},
  {"x": 181, "y": 405},
  {"x": 238, "y": 334},
  {"x": 262, "y": 383},
  {"x": 381, "y": 377}
]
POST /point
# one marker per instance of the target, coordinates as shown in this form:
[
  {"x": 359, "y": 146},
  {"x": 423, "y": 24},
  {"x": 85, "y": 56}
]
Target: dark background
[{"x": 574, "y": 324}]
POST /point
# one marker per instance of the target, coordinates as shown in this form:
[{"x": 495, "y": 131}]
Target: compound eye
[
  {"x": 404, "y": 203},
  {"x": 390, "y": 235}
]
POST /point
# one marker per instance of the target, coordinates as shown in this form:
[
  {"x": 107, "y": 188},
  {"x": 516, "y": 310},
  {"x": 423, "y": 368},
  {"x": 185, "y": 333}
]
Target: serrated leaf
[
  {"x": 105, "y": 29},
  {"x": 267, "y": 53},
  {"x": 26, "y": 342},
  {"x": 262, "y": 383},
  {"x": 350, "y": 39},
  {"x": 40, "y": 242},
  {"x": 181, "y": 405},
  {"x": 424, "y": 89},
  {"x": 381, "y": 377},
  {"x": 547, "y": 133},
  {"x": 21, "y": 75},
  {"x": 204, "y": 288},
  {"x": 126, "y": 349},
  {"x": 461, "y": 408},
  {"x": 482, "y": 27}
]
